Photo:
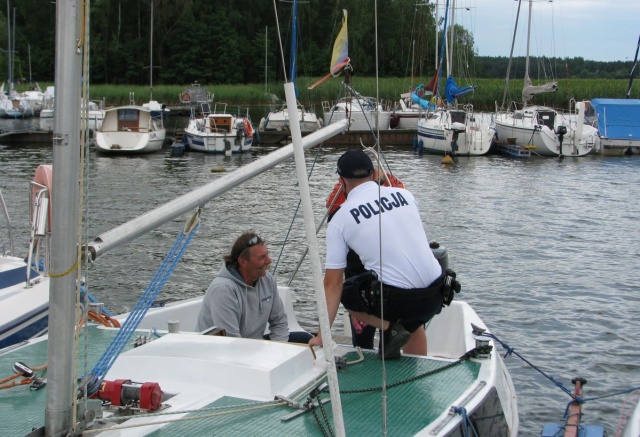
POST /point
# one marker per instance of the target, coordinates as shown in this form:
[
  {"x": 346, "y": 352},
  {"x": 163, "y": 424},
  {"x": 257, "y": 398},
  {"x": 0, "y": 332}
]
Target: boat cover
[
  {"x": 618, "y": 118},
  {"x": 452, "y": 91}
]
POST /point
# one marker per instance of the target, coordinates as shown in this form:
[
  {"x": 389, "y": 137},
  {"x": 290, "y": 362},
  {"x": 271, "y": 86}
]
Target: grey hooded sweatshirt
[{"x": 243, "y": 310}]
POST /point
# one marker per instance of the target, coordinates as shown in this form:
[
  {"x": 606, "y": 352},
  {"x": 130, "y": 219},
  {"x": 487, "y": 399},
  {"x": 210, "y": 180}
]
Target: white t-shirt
[{"x": 390, "y": 215}]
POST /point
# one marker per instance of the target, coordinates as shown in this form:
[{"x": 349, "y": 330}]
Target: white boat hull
[
  {"x": 219, "y": 133},
  {"x": 436, "y": 134},
  {"x": 531, "y": 127},
  {"x": 130, "y": 130},
  {"x": 129, "y": 142},
  {"x": 25, "y": 309},
  {"x": 279, "y": 121},
  {"x": 363, "y": 115}
]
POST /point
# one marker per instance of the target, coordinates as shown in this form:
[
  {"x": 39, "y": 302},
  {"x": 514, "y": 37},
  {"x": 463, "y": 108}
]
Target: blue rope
[
  {"x": 511, "y": 351},
  {"x": 574, "y": 398},
  {"x": 145, "y": 301},
  {"x": 466, "y": 422}
]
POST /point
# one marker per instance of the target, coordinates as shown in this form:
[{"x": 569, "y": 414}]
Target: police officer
[{"x": 383, "y": 226}]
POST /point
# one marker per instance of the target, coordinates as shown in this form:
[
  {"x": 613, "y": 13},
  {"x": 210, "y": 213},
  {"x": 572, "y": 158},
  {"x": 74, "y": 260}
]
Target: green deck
[
  {"x": 22, "y": 409},
  {"x": 410, "y": 406}
]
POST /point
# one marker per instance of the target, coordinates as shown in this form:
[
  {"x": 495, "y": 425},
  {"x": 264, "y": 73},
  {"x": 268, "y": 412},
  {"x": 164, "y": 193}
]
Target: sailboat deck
[
  {"x": 361, "y": 398},
  {"x": 407, "y": 412}
]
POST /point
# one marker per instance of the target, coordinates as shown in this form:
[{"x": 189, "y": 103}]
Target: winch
[{"x": 123, "y": 392}]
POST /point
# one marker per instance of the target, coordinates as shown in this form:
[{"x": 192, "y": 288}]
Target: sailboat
[
  {"x": 181, "y": 382},
  {"x": 448, "y": 128},
  {"x": 278, "y": 121},
  {"x": 24, "y": 281},
  {"x": 542, "y": 129}
]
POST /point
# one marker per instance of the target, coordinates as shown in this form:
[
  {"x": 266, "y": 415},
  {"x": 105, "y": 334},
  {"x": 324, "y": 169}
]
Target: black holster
[{"x": 367, "y": 286}]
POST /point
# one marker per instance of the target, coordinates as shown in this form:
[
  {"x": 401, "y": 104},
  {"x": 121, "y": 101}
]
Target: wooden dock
[
  {"x": 27, "y": 137},
  {"x": 511, "y": 149},
  {"x": 393, "y": 137}
]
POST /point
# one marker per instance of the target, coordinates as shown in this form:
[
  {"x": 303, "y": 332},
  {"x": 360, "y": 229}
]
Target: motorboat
[
  {"x": 130, "y": 129},
  {"x": 218, "y": 131}
]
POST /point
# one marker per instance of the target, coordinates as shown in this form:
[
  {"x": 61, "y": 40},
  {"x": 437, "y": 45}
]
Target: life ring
[
  {"x": 185, "y": 97},
  {"x": 337, "y": 197}
]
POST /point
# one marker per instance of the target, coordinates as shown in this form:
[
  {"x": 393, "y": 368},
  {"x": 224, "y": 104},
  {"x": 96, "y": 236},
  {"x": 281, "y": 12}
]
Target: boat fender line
[
  {"x": 185, "y": 97},
  {"x": 466, "y": 421}
]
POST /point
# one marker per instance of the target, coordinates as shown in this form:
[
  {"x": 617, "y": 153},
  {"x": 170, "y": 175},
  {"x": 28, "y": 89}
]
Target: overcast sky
[{"x": 599, "y": 30}]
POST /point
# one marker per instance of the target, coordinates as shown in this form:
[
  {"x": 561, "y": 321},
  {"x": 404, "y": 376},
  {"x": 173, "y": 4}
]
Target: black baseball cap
[{"x": 355, "y": 164}]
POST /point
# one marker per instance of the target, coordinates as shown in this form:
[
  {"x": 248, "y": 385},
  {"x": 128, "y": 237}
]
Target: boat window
[
  {"x": 547, "y": 118},
  {"x": 127, "y": 115},
  {"x": 458, "y": 116}
]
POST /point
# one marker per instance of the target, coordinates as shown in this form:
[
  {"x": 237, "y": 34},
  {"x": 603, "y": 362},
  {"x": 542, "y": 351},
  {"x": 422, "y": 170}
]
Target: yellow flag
[{"x": 340, "y": 56}]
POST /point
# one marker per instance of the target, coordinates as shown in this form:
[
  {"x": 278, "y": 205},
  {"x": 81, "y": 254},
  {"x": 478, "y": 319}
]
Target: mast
[
  {"x": 436, "y": 89},
  {"x": 451, "y": 39},
  {"x": 9, "y": 79},
  {"x": 526, "y": 67},
  {"x": 513, "y": 42},
  {"x": 633, "y": 69},
  {"x": 528, "y": 89},
  {"x": 294, "y": 44},
  {"x": 151, "y": 56},
  {"x": 64, "y": 229}
]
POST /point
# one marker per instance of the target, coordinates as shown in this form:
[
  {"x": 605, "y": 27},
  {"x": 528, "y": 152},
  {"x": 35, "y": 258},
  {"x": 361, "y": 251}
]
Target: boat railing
[
  {"x": 38, "y": 238},
  {"x": 220, "y": 108},
  {"x": 9, "y": 227}
]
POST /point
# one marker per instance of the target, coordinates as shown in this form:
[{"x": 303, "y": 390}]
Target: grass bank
[{"x": 484, "y": 98}]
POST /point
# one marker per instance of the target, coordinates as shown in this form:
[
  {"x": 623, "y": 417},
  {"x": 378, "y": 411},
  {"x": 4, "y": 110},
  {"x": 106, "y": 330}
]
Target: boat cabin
[{"x": 220, "y": 123}]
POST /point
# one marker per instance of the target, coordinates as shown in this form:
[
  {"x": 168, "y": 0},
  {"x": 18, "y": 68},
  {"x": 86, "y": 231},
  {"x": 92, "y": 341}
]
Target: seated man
[{"x": 244, "y": 297}]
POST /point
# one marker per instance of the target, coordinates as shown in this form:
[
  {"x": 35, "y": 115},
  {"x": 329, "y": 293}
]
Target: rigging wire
[{"x": 82, "y": 310}]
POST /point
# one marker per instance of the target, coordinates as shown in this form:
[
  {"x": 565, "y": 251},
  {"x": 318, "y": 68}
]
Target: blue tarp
[{"x": 618, "y": 118}]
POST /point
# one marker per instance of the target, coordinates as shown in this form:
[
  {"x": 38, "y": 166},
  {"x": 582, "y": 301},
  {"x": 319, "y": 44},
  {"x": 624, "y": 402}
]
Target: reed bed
[{"x": 488, "y": 94}]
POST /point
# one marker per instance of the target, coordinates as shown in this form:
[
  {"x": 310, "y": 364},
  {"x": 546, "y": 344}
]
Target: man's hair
[{"x": 241, "y": 246}]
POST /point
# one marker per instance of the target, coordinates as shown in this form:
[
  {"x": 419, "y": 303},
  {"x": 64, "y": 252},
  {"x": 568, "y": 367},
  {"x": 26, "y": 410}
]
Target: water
[{"x": 547, "y": 251}]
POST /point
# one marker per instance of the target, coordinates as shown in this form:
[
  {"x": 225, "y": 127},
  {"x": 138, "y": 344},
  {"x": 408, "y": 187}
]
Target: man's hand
[{"x": 316, "y": 341}]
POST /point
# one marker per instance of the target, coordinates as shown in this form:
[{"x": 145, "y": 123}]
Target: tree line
[{"x": 233, "y": 42}]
